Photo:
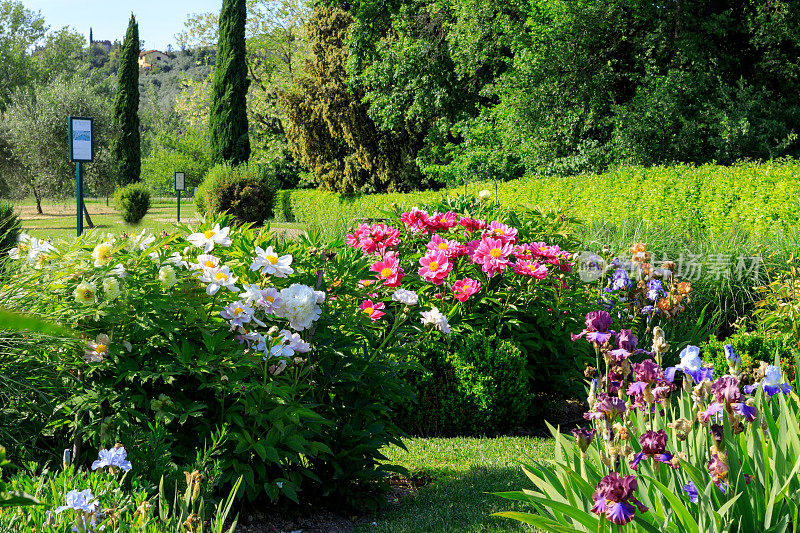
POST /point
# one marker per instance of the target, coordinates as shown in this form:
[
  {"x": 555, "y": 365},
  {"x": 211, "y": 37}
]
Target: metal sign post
[
  {"x": 180, "y": 185},
  {"x": 81, "y": 149}
]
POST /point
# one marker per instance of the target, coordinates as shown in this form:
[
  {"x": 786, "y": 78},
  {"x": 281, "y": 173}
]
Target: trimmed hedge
[
  {"x": 752, "y": 347},
  {"x": 710, "y": 198}
]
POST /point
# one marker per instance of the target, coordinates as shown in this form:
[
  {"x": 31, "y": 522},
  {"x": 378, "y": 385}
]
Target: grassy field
[
  {"x": 461, "y": 473},
  {"x": 59, "y": 221}
]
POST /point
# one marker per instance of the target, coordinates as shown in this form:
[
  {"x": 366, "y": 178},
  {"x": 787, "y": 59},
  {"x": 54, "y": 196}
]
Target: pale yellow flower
[
  {"x": 102, "y": 254},
  {"x": 86, "y": 292}
]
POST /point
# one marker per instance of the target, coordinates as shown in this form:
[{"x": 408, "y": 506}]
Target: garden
[{"x": 420, "y": 267}]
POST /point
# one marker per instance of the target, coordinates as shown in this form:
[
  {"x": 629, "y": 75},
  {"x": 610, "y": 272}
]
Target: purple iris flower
[
  {"x": 726, "y": 390},
  {"x": 718, "y": 470},
  {"x": 626, "y": 345},
  {"x": 620, "y": 280},
  {"x": 691, "y": 490},
  {"x": 637, "y": 388},
  {"x": 613, "y": 498},
  {"x": 649, "y": 310},
  {"x": 710, "y": 413},
  {"x": 732, "y": 357},
  {"x": 597, "y": 324},
  {"x": 691, "y": 365},
  {"x": 583, "y": 437},
  {"x": 610, "y": 406},
  {"x": 648, "y": 371},
  {"x": 654, "y": 444},
  {"x": 653, "y": 289},
  {"x": 747, "y": 412}
]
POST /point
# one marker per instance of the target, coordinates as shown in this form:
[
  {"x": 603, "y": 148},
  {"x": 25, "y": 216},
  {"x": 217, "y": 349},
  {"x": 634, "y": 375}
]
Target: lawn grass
[
  {"x": 462, "y": 472},
  {"x": 58, "y": 221}
]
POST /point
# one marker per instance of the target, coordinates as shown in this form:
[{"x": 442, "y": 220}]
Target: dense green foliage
[
  {"x": 328, "y": 127},
  {"x": 476, "y": 384},
  {"x": 132, "y": 201},
  {"x": 172, "y": 152},
  {"x": 230, "y": 139},
  {"x": 754, "y": 348},
  {"x": 247, "y": 192},
  {"x": 10, "y": 227},
  {"x": 568, "y": 86},
  {"x": 126, "y": 148}
]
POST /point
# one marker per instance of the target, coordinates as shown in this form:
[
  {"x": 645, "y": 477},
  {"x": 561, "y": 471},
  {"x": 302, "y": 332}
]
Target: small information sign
[
  {"x": 180, "y": 181},
  {"x": 81, "y": 147}
]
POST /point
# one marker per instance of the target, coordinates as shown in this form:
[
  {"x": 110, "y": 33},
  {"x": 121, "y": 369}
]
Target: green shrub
[
  {"x": 247, "y": 192},
  {"x": 10, "y": 227},
  {"x": 753, "y": 348},
  {"x": 187, "y": 153},
  {"x": 132, "y": 201},
  {"x": 475, "y": 385}
]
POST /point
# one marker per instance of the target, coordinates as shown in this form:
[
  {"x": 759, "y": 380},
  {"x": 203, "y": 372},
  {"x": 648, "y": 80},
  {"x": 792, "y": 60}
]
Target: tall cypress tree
[
  {"x": 228, "y": 120},
  {"x": 126, "y": 149}
]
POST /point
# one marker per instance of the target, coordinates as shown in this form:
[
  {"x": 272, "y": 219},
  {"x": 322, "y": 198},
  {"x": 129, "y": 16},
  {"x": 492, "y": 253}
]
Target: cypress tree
[
  {"x": 228, "y": 119},
  {"x": 126, "y": 150}
]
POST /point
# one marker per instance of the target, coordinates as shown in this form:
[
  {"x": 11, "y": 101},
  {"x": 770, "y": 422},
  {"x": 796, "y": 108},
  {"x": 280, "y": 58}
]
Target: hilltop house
[{"x": 151, "y": 57}]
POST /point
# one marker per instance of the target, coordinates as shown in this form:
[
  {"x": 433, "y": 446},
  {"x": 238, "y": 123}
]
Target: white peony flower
[
  {"x": 176, "y": 259},
  {"x": 120, "y": 271},
  {"x": 85, "y": 292},
  {"x": 102, "y": 253},
  {"x": 142, "y": 241},
  {"x": 207, "y": 239},
  {"x": 435, "y": 318},
  {"x": 405, "y": 296},
  {"x": 299, "y": 305},
  {"x": 484, "y": 195},
  {"x": 218, "y": 278},
  {"x": 111, "y": 288},
  {"x": 167, "y": 277},
  {"x": 270, "y": 263}
]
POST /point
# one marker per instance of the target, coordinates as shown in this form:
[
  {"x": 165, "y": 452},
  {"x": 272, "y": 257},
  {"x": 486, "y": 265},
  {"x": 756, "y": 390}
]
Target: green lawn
[
  {"x": 59, "y": 219},
  {"x": 462, "y": 472}
]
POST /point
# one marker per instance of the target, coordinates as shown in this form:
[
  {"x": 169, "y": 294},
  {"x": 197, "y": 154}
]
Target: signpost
[
  {"x": 180, "y": 185},
  {"x": 81, "y": 150}
]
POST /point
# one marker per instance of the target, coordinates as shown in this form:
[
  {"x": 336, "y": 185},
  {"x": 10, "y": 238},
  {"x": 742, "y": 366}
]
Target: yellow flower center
[
  {"x": 101, "y": 348},
  {"x": 238, "y": 311},
  {"x": 270, "y": 299},
  {"x": 386, "y": 272},
  {"x": 220, "y": 275},
  {"x": 210, "y": 263},
  {"x": 272, "y": 259},
  {"x": 443, "y": 246},
  {"x": 499, "y": 231},
  {"x": 209, "y": 233},
  {"x": 369, "y": 310},
  {"x": 433, "y": 265},
  {"x": 87, "y": 294},
  {"x": 466, "y": 287},
  {"x": 367, "y": 282},
  {"x": 495, "y": 252}
]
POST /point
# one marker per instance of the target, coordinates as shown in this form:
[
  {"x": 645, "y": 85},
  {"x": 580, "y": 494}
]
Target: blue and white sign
[{"x": 80, "y": 139}]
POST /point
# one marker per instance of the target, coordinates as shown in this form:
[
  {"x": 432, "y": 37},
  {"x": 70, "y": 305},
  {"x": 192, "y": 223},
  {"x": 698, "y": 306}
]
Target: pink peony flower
[
  {"x": 441, "y": 221},
  {"x": 492, "y": 255},
  {"x": 374, "y": 239},
  {"x": 449, "y": 247},
  {"x": 505, "y": 233},
  {"x": 464, "y": 288},
  {"x": 528, "y": 268},
  {"x": 388, "y": 270},
  {"x": 434, "y": 267},
  {"x": 415, "y": 220},
  {"x": 372, "y": 310},
  {"x": 472, "y": 224}
]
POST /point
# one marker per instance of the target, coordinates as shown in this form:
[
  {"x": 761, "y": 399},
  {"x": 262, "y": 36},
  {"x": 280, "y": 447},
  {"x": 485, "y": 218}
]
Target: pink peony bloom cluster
[
  {"x": 419, "y": 221},
  {"x": 375, "y": 239},
  {"x": 493, "y": 255},
  {"x": 435, "y": 266},
  {"x": 464, "y": 288}
]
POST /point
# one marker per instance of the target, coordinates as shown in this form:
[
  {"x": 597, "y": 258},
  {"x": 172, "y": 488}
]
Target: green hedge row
[{"x": 758, "y": 197}]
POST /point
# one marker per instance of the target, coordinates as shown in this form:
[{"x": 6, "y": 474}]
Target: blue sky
[{"x": 159, "y": 21}]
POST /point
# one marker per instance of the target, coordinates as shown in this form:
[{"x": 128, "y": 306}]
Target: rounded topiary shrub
[
  {"x": 247, "y": 192},
  {"x": 132, "y": 202},
  {"x": 474, "y": 385},
  {"x": 10, "y": 227}
]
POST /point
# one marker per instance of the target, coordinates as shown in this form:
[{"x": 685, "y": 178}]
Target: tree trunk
[
  {"x": 106, "y": 200},
  {"x": 38, "y": 200},
  {"x": 86, "y": 216}
]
